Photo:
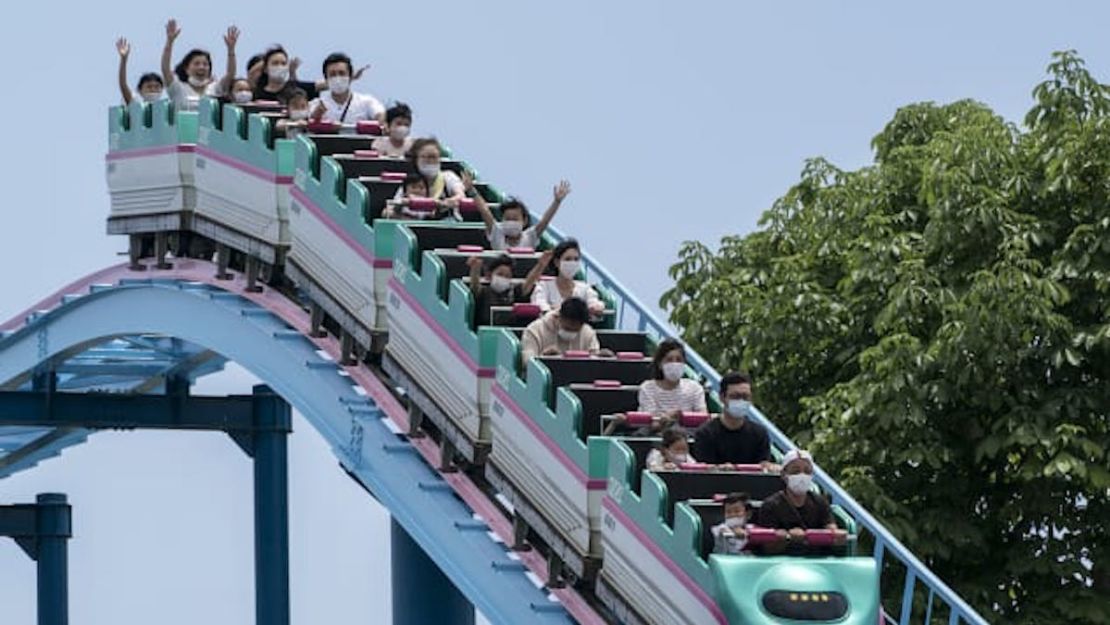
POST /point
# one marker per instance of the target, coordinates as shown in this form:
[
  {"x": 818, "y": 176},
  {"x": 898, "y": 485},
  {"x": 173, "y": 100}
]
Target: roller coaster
[{"x": 273, "y": 253}]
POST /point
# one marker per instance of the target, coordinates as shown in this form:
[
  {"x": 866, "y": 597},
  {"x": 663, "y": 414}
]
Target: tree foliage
[{"x": 936, "y": 327}]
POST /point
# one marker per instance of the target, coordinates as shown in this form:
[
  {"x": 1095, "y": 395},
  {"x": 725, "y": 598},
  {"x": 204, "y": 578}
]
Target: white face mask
[
  {"x": 339, "y": 84},
  {"x": 799, "y": 483},
  {"x": 428, "y": 170},
  {"x": 152, "y": 97},
  {"x": 673, "y": 371},
  {"x": 399, "y": 133},
  {"x": 500, "y": 284},
  {"x": 512, "y": 227},
  {"x": 197, "y": 82},
  {"x": 679, "y": 458},
  {"x": 736, "y": 521},
  {"x": 738, "y": 408},
  {"x": 298, "y": 115},
  {"x": 567, "y": 335},
  {"x": 279, "y": 73},
  {"x": 243, "y": 96},
  {"x": 569, "y": 268}
]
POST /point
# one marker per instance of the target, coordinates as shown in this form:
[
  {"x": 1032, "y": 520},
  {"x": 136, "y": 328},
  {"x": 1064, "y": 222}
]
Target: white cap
[{"x": 795, "y": 454}]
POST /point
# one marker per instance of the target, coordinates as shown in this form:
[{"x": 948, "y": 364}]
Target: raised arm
[
  {"x": 475, "y": 264},
  {"x": 479, "y": 201},
  {"x": 230, "y": 39},
  {"x": 124, "y": 49},
  {"x": 562, "y": 190},
  {"x": 172, "y": 31},
  {"x": 254, "y": 73},
  {"x": 537, "y": 271}
]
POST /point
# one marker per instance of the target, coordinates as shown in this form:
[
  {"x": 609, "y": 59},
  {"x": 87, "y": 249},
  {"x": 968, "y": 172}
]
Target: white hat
[{"x": 795, "y": 454}]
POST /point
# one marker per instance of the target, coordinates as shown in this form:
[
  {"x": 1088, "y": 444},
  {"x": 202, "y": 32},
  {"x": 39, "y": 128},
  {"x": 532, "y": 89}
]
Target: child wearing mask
[
  {"x": 549, "y": 294},
  {"x": 731, "y": 536},
  {"x": 672, "y": 452},
  {"x": 241, "y": 92},
  {"x": 297, "y": 122},
  {"x": 396, "y": 142},
  {"x": 500, "y": 291},
  {"x": 414, "y": 187},
  {"x": 150, "y": 85},
  {"x": 514, "y": 230}
]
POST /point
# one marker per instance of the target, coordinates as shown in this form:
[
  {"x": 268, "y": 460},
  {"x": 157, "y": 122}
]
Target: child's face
[
  {"x": 150, "y": 88},
  {"x": 513, "y": 214},
  {"x": 298, "y": 104},
  {"x": 400, "y": 122},
  {"x": 504, "y": 271},
  {"x": 679, "y": 448},
  {"x": 735, "y": 510},
  {"x": 416, "y": 189}
]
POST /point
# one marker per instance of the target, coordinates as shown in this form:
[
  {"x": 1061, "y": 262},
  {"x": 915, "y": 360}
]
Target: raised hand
[
  {"x": 294, "y": 63},
  {"x": 172, "y": 31},
  {"x": 474, "y": 262},
  {"x": 467, "y": 180},
  {"x": 562, "y": 190},
  {"x": 232, "y": 37},
  {"x": 123, "y": 47},
  {"x": 545, "y": 258},
  {"x": 359, "y": 71}
]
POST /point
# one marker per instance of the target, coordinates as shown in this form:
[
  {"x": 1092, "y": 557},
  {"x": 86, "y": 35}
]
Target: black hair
[
  {"x": 665, "y": 347},
  {"x": 498, "y": 261},
  {"x": 513, "y": 203},
  {"x": 297, "y": 92},
  {"x": 338, "y": 57},
  {"x": 734, "y": 377},
  {"x": 398, "y": 110},
  {"x": 192, "y": 54},
  {"x": 420, "y": 144},
  {"x": 563, "y": 246},
  {"x": 272, "y": 50},
  {"x": 574, "y": 309},
  {"x": 672, "y": 435},
  {"x": 732, "y": 498},
  {"x": 413, "y": 178},
  {"x": 150, "y": 77},
  {"x": 255, "y": 58}
]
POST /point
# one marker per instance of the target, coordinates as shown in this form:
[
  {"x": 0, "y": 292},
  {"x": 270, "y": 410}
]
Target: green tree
[{"x": 936, "y": 327}]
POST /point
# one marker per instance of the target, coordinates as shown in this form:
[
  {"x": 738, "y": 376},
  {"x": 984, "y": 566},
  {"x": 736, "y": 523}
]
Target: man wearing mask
[
  {"x": 796, "y": 508},
  {"x": 338, "y": 103},
  {"x": 561, "y": 331},
  {"x": 734, "y": 438}
]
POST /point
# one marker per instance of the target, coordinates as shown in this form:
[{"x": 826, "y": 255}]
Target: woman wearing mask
[
  {"x": 278, "y": 80},
  {"x": 548, "y": 294},
  {"x": 672, "y": 452},
  {"x": 150, "y": 84},
  {"x": 668, "y": 394},
  {"x": 446, "y": 186},
  {"x": 192, "y": 78}
]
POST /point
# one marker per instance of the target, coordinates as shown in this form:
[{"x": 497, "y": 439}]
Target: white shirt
[
  {"x": 185, "y": 98},
  {"x": 688, "y": 396},
  {"x": 546, "y": 295},
  {"x": 656, "y": 459},
  {"x": 363, "y": 106},
  {"x": 384, "y": 147},
  {"x": 497, "y": 241}
]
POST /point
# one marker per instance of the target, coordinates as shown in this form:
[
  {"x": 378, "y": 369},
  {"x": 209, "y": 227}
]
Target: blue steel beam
[
  {"x": 41, "y": 530},
  {"x": 383, "y": 461},
  {"x": 117, "y": 411}
]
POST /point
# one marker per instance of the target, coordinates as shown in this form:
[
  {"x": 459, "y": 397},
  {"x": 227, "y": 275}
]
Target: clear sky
[{"x": 673, "y": 121}]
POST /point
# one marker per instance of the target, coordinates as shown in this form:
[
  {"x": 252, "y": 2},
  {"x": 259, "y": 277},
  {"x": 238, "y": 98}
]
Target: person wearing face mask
[
  {"x": 277, "y": 77},
  {"x": 673, "y": 451},
  {"x": 668, "y": 394},
  {"x": 796, "y": 508},
  {"x": 396, "y": 142},
  {"x": 500, "y": 291},
  {"x": 296, "y": 121},
  {"x": 241, "y": 92},
  {"x": 560, "y": 331},
  {"x": 549, "y": 294},
  {"x": 192, "y": 78},
  {"x": 339, "y": 103},
  {"x": 150, "y": 85},
  {"x": 444, "y": 185},
  {"x": 514, "y": 230},
  {"x": 731, "y": 535},
  {"x": 734, "y": 438}
]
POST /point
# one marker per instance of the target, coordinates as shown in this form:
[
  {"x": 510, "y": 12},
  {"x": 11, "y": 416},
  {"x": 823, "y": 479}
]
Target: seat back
[
  {"x": 686, "y": 485},
  {"x": 327, "y": 145},
  {"x": 566, "y": 371},
  {"x": 597, "y": 401}
]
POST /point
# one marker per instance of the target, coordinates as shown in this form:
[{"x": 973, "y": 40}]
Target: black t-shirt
[
  {"x": 716, "y": 444},
  {"x": 286, "y": 92},
  {"x": 487, "y": 297},
  {"x": 777, "y": 512}
]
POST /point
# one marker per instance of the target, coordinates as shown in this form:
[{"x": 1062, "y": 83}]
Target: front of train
[{"x": 775, "y": 590}]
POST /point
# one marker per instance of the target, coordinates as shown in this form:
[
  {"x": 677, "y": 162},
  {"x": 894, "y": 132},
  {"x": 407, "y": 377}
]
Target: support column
[
  {"x": 53, "y": 527},
  {"x": 273, "y": 422},
  {"x": 422, "y": 594}
]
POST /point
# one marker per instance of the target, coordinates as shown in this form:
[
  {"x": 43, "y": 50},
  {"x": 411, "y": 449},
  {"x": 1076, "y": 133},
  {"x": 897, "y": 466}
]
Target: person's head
[
  {"x": 573, "y": 314},
  {"x": 415, "y": 186},
  {"x": 195, "y": 68},
  {"x": 150, "y": 87},
  {"x": 398, "y": 121},
  {"x": 514, "y": 216},
  {"x": 275, "y": 65},
  {"x": 251, "y": 62},
  {"x": 338, "y": 71},
  {"x": 298, "y": 105},
  {"x": 675, "y": 445},
  {"x": 736, "y": 509},
  {"x": 567, "y": 257},
  {"x": 426, "y": 155},
  {"x": 797, "y": 471},
  {"x": 669, "y": 361},
  {"x": 241, "y": 91},
  {"x": 499, "y": 270},
  {"x": 736, "y": 397}
]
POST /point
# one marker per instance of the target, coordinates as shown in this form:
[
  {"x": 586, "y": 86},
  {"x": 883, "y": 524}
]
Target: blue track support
[
  {"x": 42, "y": 530},
  {"x": 273, "y": 420},
  {"x": 422, "y": 594}
]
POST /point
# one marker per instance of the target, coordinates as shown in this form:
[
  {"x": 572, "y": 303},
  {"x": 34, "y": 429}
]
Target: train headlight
[{"x": 805, "y": 605}]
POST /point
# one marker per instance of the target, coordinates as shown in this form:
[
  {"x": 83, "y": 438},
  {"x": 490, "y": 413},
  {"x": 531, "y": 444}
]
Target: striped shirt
[{"x": 688, "y": 396}]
